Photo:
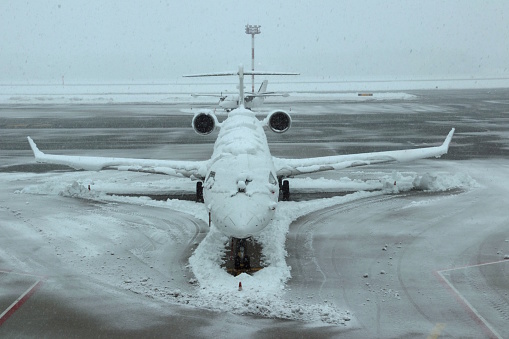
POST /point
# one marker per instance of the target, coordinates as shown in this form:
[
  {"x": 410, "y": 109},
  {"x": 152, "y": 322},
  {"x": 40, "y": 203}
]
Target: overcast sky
[{"x": 119, "y": 41}]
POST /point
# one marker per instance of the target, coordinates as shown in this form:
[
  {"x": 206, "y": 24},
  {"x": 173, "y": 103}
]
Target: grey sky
[{"x": 110, "y": 41}]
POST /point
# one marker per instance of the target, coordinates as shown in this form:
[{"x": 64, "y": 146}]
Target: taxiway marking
[
  {"x": 493, "y": 333},
  {"x": 21, "y": 299},
  {"x": 436, "y": 331}
]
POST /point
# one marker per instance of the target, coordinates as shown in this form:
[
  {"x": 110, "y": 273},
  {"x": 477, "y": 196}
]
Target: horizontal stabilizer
[
  {"x": 269, "y": 94},
  {"x": 269, "y": 73},
  {"x": 222, "y": 74}
]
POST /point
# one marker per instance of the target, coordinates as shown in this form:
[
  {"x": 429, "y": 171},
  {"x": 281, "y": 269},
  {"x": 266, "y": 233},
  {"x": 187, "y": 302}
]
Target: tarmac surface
[{"x": 402, "y": 266}]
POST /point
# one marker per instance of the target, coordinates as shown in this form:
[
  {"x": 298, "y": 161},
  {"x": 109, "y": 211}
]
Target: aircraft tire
[
  {"x": 199, "y": 191},
  {"x": 286, "y": 190},
  {"x": 247, "y": 263}
]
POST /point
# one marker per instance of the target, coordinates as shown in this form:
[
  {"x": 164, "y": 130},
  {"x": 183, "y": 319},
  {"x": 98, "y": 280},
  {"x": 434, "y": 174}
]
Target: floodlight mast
[{"x": 252, "y": 29}]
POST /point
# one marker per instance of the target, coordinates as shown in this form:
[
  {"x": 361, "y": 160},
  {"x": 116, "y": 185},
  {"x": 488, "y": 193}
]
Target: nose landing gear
[
  {"x": 284, "y": 187},
  {"x": 243, "y": 256},
  {"x": 242, "y": 261}
]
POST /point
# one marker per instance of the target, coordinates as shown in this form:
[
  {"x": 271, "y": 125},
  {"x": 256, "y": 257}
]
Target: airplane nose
[
  {"x": 244, "y": 221},
  {"x": 244, "y": 217}
]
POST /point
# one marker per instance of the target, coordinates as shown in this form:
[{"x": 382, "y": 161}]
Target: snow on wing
[
  {"x": 290, "y": 167},
  {"x": 193, "y": 169}
]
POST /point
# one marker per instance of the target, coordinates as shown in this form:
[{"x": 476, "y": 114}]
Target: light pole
[{"x": 252, "y": 29}]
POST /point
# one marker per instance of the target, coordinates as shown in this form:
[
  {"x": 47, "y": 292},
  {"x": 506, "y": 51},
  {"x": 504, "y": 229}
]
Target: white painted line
[
  {"x": 22, "y": 298},
  {"x": 477, "y": 265},
  {"x": 19, "y": 299},
  {"x": 465, "y": 301}
]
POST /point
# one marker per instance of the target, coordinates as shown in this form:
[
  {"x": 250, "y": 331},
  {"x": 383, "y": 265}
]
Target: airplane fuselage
[{"x": 241, "y": 189}]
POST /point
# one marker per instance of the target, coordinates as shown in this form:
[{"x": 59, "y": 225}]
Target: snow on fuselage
[{"x": 241, "y": 189}]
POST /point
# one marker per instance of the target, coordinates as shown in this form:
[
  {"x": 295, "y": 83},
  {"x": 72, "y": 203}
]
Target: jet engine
[
  {"x": 204, "y": 122},
  {"x": 279, "y": 121}
]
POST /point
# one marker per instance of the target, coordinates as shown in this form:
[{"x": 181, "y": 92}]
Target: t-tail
[{"x": 241, "y": 74}]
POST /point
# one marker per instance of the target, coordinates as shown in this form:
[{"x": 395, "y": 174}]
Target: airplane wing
[
  {"x": 191, "y": 169},
  {"x": 291, "y": 167}
]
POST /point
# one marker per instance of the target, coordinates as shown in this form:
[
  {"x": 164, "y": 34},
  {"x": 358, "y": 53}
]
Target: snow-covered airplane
[
  {"x": 241, "y": 182},
  {"x": 251, "y": 100}
]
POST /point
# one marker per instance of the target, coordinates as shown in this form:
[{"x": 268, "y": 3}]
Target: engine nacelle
[
  {"x": 279, "y": 121},
  {"x": 204, "y": 122}
]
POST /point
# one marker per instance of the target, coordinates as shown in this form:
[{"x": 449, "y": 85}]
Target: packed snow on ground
[{"x": 82, "y": 247}]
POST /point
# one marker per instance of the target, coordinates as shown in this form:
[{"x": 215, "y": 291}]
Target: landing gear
[
  {"x": 199, "y": 191},
  {"x": 242, "y": 261},
  {"x": 242, "y": 256},
  {"x": 285, "y": 189}
]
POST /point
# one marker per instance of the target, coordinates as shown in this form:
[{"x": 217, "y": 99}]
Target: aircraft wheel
[
  {"x": 199, "y": 191},
  {"x": 286, "y": 190},
  {"x": 247, "y": 263}
]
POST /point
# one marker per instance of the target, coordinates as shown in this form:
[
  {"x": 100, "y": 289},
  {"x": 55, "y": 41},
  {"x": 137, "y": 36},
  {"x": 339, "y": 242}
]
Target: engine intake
[
  {"x": 204, "y": 123},
  {"x": 279, "y": 121}
]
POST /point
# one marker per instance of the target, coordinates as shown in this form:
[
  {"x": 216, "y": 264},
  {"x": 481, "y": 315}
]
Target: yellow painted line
[{"x": 436, "y": 331}]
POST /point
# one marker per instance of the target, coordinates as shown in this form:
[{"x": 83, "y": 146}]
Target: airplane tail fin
[{"x": 263, "y": 87}]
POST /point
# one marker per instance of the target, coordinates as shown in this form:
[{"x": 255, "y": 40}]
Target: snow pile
[
  {"x": 389, "y": 183},
  {"x": 77, "y": 190},
  {"x": 437, "y": 182},
  {"x": 147, "y": 184},
  {"x": 443, "y": 182},
  {"x": 344, "y": 184}
]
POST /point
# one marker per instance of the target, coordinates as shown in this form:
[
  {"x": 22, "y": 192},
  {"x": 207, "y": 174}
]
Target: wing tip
[
  {"x": 448, "y": 139},
  {"x": 34, "y": 148}
]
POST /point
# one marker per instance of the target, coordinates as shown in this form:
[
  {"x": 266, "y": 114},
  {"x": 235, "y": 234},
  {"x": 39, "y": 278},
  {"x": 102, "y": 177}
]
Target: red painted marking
[
  {"x": 20, "y": 301},
  {"x": 486, "y": 327},
  {"x": 467, "y": 308}
]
